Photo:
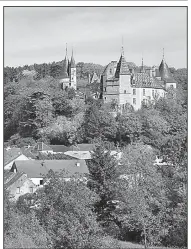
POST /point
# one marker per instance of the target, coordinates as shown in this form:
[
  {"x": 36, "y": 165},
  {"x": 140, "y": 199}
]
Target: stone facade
[{"x": 125, "y": 85}]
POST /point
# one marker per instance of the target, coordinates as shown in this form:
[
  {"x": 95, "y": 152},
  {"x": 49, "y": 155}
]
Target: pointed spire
[
  {"x": 64, "y": 73},
  {"x": 163, "y": 54},
  {"x": 66, "y": 50},
  {"x": 164, "y": 71},
  {"x": 72, "y": 62},
  {"x": 122, "y": 66},
  {"x": 122, "y": 49}
]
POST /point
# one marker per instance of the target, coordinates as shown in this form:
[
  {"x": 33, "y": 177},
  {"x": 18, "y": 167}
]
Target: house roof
[
  {"x": 82, "y": 147},
  {"x": 11, "y": 154},
  {"x": 40, "y": 146},
  {"x": 86, "y": 155},
  {"x": 12, "y": 177},
  {"x": 38, "y": 168},
  {"x": 59, "y": 148},
  {"x": 27, "y": 152}
]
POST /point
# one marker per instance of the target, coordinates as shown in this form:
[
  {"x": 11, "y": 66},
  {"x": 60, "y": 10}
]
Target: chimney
[{"x": 78, "y": 164}]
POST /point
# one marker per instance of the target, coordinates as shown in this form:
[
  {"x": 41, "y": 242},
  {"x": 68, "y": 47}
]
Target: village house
[
  {"x": 36, "y": 170},
  {"x": 17, "y": 184},
  {"x": 43, "y": 148},
  {"x": 11, "y": 155},
  {"x": 84, "y": 151}
]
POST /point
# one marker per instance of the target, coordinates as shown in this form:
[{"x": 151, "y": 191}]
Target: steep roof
[
  {"x": 165, "y": 72},
  {"x": 144, "y": 80},
  {"x": 38, "y": 168},
  {"x": 13, "y": 177},
  {"x": 72, "y": 62},
  {"x": 11, "y": 154},
  {"x": 122, "y": 67}
]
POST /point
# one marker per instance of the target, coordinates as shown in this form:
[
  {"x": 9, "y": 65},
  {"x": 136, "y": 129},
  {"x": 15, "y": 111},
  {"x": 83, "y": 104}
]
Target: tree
[
  {"x": 129, "y": 127},
  {"x": 66, "y": 213},
  {"x": 103, "y": 174},
  {"x": 141, "y": 192},
  {"x": 98, "y": 122}
]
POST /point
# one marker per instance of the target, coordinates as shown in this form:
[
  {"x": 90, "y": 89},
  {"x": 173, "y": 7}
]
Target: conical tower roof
[
  {"x": 64, "y": 73},
  {"x": 164, "y": 71},
  {"x": 122, "y": 66},
  {"x": 72, "y": 62}
]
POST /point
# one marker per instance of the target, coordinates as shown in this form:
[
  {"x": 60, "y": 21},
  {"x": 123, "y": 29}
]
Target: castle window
[
  {"x": 110, "y": 71},
  {"x": 143, "y": 92},
  {"x": 153, "y": 93},
  {"x": 171, "y": 86},
  {"x": 134, "y": 91},
  {"x": 31, "y": 189},
  {"x": 134, "y": 101},
  {"x": 105, "y": 98},
  {"x": 125, "y": 91},
  {"x": 105, "y": 89}
]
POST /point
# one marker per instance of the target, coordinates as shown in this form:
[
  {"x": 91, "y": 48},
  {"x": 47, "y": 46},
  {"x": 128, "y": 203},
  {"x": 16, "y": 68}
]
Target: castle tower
[
  {"x": 123, "y": 75},
  {"x": 165, "y": 74},
  {"x": 72, "y": 72}
]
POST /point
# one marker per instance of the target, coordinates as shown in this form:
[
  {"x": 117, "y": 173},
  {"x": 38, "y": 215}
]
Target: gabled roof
[
  {"x": 11, "y": 154},
  {"x": 40, "y": 146},
  {"x": 59, "y": 148},
  {"x": 165, "y": 72},
  {"x": 38, "y": 168},
  {"x": 122, "y": 67},
  {"x": 13, "y": 177}
]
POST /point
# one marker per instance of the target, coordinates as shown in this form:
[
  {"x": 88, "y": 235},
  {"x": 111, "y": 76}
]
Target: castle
[
  {"x": 125, "y": 85},
  {"x": 68, "y": 73}
]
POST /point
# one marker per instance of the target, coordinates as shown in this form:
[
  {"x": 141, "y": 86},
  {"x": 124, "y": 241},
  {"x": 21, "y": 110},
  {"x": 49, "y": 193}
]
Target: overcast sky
[{"x": 39, "y": 34}]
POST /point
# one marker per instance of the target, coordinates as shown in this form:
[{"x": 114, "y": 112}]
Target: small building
[
  {"x": 17, "y": 184},
  {"x": 36, "y": 170},
  {"x": 43, "y": 148},
  {"x": 11, "y": 155}
]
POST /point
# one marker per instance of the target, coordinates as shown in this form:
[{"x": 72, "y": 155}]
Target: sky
[{"x": 39, "y": 34}]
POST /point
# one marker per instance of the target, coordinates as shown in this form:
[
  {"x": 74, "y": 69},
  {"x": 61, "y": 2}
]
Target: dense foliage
[{"x": 130, "y": 199}]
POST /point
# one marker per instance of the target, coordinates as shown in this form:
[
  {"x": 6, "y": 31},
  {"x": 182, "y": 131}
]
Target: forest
[{"x": 150, "y": 208}]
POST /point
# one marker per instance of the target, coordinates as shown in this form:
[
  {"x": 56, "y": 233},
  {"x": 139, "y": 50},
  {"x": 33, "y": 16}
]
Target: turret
[{"x": 165, "y": 74}]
